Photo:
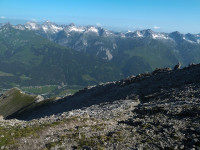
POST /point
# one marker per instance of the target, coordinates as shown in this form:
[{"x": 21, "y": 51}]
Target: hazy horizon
[{"x": 158, "y": 15}]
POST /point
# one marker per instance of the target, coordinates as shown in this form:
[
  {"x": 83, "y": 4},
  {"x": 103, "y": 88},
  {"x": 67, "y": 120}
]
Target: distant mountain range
[
  {"x": 29, "y": 59},
  {"x": 104, "y": 43},
  {"x": 48, "y": 53}
]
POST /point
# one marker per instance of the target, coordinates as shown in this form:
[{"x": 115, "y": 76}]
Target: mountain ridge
[
  {"x": 106, "y": 44},
  {"x": 125, "y": 89},
  {"x": 109, "y": 55},
  {"x": 48, "y": 26}
]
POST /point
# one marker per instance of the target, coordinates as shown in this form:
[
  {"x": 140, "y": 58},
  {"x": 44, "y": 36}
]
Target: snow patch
[
  {"x": 139, "y": 34},
  {"x": 188, "y": 40},
  {"x": 93, "y": 29},
  {"x": 31, "y": 25},
  {"x": 51, "y": 28},
  {"x": 19, "y": 27},
  {"x": 45, "y": 28},
  {"x": 76, "y": 29},
  {"x": 159, "y": 36},
  {"x": 108, "y": 33},
  {"x": 56, "y": 28},
  {"x": 123, "y": 36}
]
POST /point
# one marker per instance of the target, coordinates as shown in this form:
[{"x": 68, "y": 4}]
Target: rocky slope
[{"x": 158, "y": 110}]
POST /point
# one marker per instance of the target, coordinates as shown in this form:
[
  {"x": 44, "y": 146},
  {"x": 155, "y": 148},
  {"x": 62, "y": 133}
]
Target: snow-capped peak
[
  {"x": 47, "y": 26},
  {"x": 146, "y": 33},
  {"x": 160, "y": 36},
  {"x": 73, "y": 28},
  {"x": 104, "y": 32},
  {"x": 6, "y": 26},
  {"x": 138, "y": 33},
  {"x": 20, "y": 27},
  {"x": 32, "y": 25},
  {"x": 51, "y": 27},
  {"x": 92, "y": 29}
]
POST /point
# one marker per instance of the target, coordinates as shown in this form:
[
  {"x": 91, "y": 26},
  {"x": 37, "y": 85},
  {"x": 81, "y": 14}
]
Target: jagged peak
[
  {"x": 148, "y": 30},
  {"x": 176, "y": 33},
  {"x": 6, "y": 26},
  {"x": 53, "y": 28},
  {"x": 32, "y": 25}
]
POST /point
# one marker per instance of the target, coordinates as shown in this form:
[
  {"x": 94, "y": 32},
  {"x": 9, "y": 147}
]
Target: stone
[
  {"x": 182, "y": 147},
  {"x": 178, "y": 66},
  {"x": 1, "y": 118},
  {"x": 86, "y": 148},
  {"x": 39, "y": 98}
]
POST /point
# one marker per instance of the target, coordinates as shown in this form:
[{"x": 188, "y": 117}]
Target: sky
[{"x": 159, "y": 15}]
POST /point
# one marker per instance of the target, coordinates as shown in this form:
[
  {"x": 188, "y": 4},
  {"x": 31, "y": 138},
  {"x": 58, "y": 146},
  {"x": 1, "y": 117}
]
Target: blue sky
[{"x": 159, "y": 15}]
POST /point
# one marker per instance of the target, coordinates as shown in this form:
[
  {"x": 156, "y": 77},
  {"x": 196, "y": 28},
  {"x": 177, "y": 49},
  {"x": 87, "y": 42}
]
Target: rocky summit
[{"x": 157, "y": 110}]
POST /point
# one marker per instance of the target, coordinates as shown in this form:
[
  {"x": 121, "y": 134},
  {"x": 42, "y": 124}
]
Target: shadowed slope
[{"x": 129, "y": 88}]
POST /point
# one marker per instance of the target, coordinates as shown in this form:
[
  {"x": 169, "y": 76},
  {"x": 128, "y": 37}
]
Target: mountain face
[
  {"x": 29, "y": 59},
  {"x": 157, "y": 110},
  {"x": 105, "y": 44},
  {"x": 37, "y": 53}
]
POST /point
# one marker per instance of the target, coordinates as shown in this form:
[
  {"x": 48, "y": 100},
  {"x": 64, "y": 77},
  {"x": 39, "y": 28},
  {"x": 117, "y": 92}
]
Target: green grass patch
[
  {"x": 87, "y": 77},
  {"x": 40, "y": 89},
  {"x": 24, "y": 77},
  {"x": 68, "y": 91},
  {"x": 155, "y": 53},
  {"x": 4, "y": 74},
  {"x": 8, "y": 136}
]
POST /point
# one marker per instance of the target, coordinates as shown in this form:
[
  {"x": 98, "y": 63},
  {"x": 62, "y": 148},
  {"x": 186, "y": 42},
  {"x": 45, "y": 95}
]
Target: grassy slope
[
  {"x": 13, "y": 100},
  {"x": 155, "y": 53}
]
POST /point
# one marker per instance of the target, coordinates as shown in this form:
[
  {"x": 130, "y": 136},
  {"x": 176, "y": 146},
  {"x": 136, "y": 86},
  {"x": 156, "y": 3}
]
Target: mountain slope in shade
[{"x": 133, "y": 87}]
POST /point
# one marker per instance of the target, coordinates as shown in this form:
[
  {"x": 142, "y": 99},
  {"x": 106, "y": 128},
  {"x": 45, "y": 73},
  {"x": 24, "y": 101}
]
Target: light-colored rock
[
  {"x": 1, "y": 118},
  {"x": 39, "y": 98}
]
